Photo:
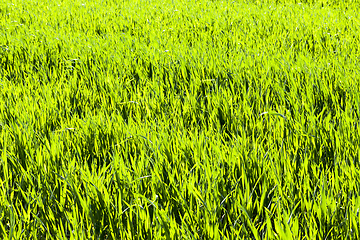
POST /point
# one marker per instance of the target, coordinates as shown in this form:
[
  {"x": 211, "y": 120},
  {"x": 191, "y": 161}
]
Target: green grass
[{"x": 179, "y": 119}]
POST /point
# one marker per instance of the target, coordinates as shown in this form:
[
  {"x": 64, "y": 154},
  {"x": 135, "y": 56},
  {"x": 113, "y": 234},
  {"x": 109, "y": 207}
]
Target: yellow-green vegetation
[{"x": 179, "y": 119}]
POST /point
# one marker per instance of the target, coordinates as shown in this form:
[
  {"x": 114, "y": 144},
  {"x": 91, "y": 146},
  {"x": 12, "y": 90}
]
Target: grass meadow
[{"x": 179, "y": 119}]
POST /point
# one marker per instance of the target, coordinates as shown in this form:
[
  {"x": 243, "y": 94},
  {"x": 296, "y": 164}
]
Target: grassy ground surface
[{"x": 179, "y": 119}]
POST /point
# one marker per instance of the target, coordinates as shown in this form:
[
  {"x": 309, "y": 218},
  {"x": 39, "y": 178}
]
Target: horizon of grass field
[{"x": 180, "y": 119}]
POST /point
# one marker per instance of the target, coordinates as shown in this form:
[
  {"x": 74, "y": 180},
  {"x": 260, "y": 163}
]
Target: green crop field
[{"x": 179, "y": 119}]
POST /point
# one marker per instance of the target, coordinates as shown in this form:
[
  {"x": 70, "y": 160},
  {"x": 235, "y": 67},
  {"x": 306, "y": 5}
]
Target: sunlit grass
[{"x": 179, "y": 119}]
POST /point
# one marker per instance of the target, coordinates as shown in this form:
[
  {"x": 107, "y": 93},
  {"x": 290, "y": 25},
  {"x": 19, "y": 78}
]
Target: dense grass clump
[{"x": 179, "y": 119}]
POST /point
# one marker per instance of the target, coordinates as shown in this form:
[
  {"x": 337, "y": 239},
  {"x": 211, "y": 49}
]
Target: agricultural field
[{"x": 179, "y": 119}]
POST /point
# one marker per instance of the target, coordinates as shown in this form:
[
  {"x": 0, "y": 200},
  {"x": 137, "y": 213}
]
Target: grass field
[{"x": 179, "y": 119}]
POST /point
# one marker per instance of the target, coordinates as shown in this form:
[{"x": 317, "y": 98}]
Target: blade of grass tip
[
  {"x": 150, "y": 202},
  {"x": 273, "y": 113},
  {"x": 292, "y": 212},
  {"x": 146, "y": 138},
  {"x": 255, "y": 186},
  {"x": 198, "y": 194}
]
